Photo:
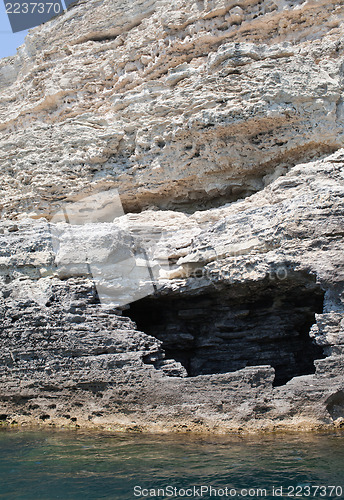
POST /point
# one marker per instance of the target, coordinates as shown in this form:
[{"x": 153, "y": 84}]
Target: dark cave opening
[{"x": 230, "y": 327}]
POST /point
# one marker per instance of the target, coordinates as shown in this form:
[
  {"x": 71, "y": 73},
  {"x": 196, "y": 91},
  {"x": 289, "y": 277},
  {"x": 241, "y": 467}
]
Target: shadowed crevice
[{"x": 251, "y": 324}]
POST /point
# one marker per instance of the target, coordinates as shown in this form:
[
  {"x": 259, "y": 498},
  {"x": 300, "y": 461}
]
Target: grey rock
[{"x": 222, "y": 128}]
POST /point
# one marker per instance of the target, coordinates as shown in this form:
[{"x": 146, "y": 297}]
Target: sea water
[{"x": 78, "y": 465}]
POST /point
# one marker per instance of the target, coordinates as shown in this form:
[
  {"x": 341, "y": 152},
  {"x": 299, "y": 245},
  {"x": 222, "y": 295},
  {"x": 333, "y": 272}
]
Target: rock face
[{"x": 221, "y": 126}]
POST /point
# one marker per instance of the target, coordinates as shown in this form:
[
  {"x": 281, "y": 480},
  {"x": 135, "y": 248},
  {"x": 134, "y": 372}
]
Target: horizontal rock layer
[{"x": 176, "y": 105}]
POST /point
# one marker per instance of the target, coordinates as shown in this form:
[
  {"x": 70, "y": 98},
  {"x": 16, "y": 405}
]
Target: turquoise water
[{"x": 76, "y": 465}]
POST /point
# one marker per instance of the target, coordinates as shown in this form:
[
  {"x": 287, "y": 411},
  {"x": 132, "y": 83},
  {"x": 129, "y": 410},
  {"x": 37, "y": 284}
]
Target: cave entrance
[{"x": 231, "y": 327}]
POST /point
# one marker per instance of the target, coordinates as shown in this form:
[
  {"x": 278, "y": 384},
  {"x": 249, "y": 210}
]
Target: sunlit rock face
[
  {"x": 171, "y": 242},
  {"x": 179, "y": 105}
]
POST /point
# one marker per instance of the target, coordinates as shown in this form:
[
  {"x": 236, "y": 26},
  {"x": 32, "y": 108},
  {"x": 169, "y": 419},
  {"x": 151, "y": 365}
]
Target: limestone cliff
[{"x": 221, "y": 125}]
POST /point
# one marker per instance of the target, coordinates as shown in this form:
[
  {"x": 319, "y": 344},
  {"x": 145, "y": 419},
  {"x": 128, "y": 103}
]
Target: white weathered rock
[
  {"x": 231, "y": 107},
  {"x": 172, "y": 104}
]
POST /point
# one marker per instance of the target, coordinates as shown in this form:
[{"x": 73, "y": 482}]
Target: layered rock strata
[{"x": 221, "y": 125}]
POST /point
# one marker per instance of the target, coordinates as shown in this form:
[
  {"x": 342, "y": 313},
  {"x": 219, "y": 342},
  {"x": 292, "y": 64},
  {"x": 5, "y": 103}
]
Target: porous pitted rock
[
  {"x": 221, "y": 125},
  {"x": 175, "y": 104}
]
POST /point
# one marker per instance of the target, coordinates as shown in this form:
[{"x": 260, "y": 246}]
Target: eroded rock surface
[{"x": 221, "y": 126}]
